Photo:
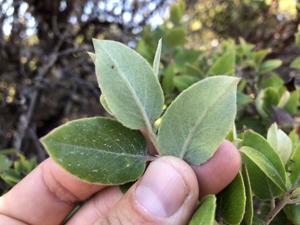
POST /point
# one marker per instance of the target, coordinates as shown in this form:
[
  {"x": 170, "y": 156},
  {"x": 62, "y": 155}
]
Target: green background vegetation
[{"x": 46, "y": 77}]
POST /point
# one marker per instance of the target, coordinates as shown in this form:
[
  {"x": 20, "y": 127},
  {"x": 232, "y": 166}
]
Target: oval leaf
[
  {"x": 98, "y": 150},
  {"x": 205, "y": 214},
  {"x": 260, "y": 144},
  {"x": 270, "y": 65},
  {"x": 265, "y": 165},
  {"x": 233, "y": 201},
  {"x": 132, "y": 92},
  {"x": 280, "y": 141},
  {"x": 199, "y": 119}
]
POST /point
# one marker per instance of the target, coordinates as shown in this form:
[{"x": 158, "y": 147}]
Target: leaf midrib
[
  {"x": 190, "y": 135},
  {"x": 137, "y": 156},
  {"x": 131, "y": 90},
  {"x": 268, "y": 161}
]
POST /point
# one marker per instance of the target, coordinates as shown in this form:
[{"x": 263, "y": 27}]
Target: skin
[{"x": 167, "y": 194}]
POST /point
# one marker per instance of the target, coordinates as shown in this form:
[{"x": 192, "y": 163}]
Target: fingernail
[{"x": 161, "y": 190}]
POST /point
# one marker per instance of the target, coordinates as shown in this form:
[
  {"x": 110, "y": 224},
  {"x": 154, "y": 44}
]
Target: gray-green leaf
[
  {"x": 156, "y": 61},
  {"x": 199, "y": 119},
  {"x": 280, "y": 142},
  {"x": 233, "y": 201},
  {"x": 132, "y": 92},
  {"x": 205, "y": 214},
  {"x": 98, "y": 150}
]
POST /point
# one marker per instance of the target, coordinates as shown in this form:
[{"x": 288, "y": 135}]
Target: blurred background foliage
[{"x": 47, "y": 78}]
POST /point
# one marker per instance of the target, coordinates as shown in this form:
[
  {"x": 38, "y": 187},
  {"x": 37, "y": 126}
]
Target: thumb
[{"x": 166, "y": 194}]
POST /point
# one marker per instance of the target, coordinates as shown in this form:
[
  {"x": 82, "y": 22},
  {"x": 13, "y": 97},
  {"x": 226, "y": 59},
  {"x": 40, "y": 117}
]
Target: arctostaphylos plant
[{"x": 113, "y": 151}]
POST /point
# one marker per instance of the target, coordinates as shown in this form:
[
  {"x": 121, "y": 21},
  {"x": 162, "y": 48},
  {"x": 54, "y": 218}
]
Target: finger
[
  {"x": 47, "y": 192},
  {"x": 218, "y": 171},
  {"x": 97, "y": 207},
  {"x": 166, "y": 194}
]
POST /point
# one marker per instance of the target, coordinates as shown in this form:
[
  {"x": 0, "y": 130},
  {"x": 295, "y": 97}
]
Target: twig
[
  {"x": 26, "y": 118},
  {"x": 279, "y": 206}
]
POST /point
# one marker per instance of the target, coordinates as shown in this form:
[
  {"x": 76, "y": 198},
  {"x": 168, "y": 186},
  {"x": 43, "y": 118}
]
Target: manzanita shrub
[{"x": 114, "y": 151}]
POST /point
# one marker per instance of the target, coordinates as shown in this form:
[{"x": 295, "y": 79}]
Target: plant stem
[
  {"x": 286, "y": 200},
  {"x": 152, "y": 135},
  {"x": 279, "y": 206}
]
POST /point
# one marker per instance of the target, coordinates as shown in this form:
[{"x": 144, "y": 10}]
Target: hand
[{"x": 166, "y": 194}]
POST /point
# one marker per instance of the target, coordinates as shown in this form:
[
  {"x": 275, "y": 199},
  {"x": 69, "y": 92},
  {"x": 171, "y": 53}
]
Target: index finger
[{"x": 46, "y": 195}]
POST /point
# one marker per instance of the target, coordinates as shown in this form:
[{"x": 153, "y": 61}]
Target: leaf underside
[
  {"x": 132, "y": 92},
  {"x": 199, "y": 119}
]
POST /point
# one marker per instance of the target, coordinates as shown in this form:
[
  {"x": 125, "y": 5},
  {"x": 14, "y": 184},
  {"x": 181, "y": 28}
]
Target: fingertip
[
  {"x": 166, "y": 184},
  {"x": 219, "y": 171}
]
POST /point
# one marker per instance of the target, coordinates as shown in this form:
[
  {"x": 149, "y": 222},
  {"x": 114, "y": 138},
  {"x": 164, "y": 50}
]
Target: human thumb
[{"x": 166, "y": 194}]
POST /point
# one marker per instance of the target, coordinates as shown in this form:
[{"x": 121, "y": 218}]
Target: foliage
[
  {"x": 199, "y": 107},
  {"x": 192, "y": 126},
  {"x": 13, "y": 167}
]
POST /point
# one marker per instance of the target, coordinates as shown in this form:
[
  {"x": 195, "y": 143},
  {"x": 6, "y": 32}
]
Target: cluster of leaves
[
  {"x": 190, "y": 122},
  {"x": 114, "y": 151},
  {"x": 263, "y": 95},
  {"x": 13, "y": 167}
]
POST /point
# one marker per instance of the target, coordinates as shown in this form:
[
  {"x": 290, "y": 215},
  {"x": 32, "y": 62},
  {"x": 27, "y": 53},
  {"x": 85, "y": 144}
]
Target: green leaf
[
  {"x": 280, "y": 142},
  {"x": 260, "y": 55},
  {"x": 243, "y": 99},
  {"x": 293, "y": 102},
  {"x": 104, "y": 104},
  {"x": 11, "y": 177},
  {"x": 167, "y": 81},
  {"x": 197, "y": 121},
  {"x": 156, "y": 61},
  {"x": 98, "y": 150},
  {"x": 248, "y": 217},
  {"x": 295, "y": 167},
  {"x": 293, "y": 135},
  {"x": 175, "y": 37},
  {"x": 270, "y": 65},
  {"x": 184, "y": 56},
  {"x": 132, "y": 92},
  {"x": 5, "y": 163},
  {"x": 205, "y": 213},
  {"x": 264, "y": 164},
  {"x": 293, "y": 213},
  {"x": 295, "y": 64},
  {"x": 273, "y": 81},
  {"x": 225, "y": 65},
  {"x": 259, "y": 143},
  {"x": 182, "y": 82},
  {"x": 24, "y": 166},
  {"x": 233, "y": 201},
  {"x": 176, "y": 13},
  {"x": 266, "y": 100}
]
